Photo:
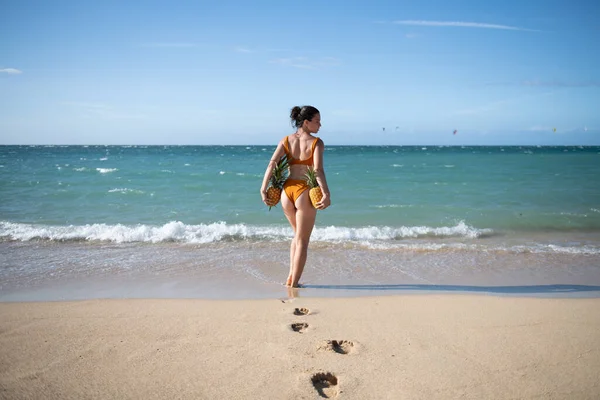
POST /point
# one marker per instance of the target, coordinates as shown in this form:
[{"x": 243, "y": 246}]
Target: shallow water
[{"x": 137, "y": 221}]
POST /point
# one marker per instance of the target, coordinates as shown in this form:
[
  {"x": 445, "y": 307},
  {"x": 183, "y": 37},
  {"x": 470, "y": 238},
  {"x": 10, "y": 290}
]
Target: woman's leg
[
  {"x": 290, "y": 212},
  {"x": 305, "y": 222}
]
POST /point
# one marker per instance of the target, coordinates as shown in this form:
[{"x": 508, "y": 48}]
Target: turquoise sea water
[{"x": 388, "y": 203}]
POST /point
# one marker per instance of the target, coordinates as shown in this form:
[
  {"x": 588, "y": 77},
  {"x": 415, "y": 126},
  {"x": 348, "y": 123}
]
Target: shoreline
[
  {"x": 217, "y": 290},
  {"x": 78, "y": 271},
  {"x": 418, "y": 346}
]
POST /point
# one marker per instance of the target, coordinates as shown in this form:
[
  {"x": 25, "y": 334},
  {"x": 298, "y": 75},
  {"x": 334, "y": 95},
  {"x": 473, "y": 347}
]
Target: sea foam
[{"x": 177, "y": 231}]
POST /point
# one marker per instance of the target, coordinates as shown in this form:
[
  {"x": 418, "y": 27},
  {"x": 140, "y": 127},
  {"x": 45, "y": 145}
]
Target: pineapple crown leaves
[
  {"x": 311, "y": 178},
  {"x": 280, "y": 172}
]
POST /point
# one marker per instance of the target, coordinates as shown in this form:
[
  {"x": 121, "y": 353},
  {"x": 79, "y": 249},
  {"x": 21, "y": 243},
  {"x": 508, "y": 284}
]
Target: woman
[{"x": 303, "y": 151}]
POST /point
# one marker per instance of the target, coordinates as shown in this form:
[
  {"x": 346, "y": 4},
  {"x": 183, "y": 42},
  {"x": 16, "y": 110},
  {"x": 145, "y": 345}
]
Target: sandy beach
[{"x": 393, "y": 347}]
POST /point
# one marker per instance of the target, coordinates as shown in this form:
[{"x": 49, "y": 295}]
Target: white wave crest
[
  {"x": 390, "y": 233},
  {"x": 177, "y": 231},
  {"x": 126, "y": 190},
  {"x": 106, "y": 170},
  {"x": 174, "y": 231},
  {"x": 570, "y": 250},
  {"x": 394, "y": 206}
]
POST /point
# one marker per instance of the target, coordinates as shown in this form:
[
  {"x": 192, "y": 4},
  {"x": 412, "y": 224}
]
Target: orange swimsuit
[{"x": 293, "y": 188}]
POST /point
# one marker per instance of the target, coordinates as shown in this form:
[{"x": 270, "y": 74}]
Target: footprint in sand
[
  {"x": 299, "y": 327},
  {"x": 326, "y": 384},
  {"x": 338, "y": 346},
  {"x": 301, "y": 311}
]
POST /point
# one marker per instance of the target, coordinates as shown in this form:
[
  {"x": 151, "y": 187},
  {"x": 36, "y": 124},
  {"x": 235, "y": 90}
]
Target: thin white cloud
[
  {"x": 549, "y": 83},
  {"x": 305, "y": 63},
  {"x": 260, "y": 50},
  {"x": 11, "y": 71},
  {"x": 170, "y": 45},
  {"x": 278, "y": 50},
  {"x": 411, "y": 35},
  {"x": 296, "y": 62},
  {"x": 330, "y": 61},
  {"x": 459, "y": 24},
  {"x": 561, "y": 83}
]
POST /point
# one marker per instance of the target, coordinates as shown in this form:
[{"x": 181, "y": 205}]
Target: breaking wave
[{"x": 176, "y": 231}]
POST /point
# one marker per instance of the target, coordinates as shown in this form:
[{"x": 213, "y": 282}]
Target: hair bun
[
  {"x": 295, "y": 113},
  {"x": 298, "y": 118}
]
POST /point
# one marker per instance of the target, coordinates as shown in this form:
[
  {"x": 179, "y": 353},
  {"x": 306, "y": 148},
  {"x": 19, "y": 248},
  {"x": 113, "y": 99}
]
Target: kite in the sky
[
  {"x": 383, "y": 129},
  {"x": 554, "y": 130},
  {"x": 454, "y": 133}
]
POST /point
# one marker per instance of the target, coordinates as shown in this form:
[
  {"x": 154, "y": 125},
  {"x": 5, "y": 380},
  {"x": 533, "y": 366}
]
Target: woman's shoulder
[{"x": 285, "y": 139}]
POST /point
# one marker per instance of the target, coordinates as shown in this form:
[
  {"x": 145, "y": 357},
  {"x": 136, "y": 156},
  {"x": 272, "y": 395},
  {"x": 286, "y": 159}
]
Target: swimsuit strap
[
  {"x": 286, "y": 145},
  {"x": 314, "y": 145}
]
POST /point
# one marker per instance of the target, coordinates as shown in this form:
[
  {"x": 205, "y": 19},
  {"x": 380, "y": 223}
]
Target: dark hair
[{"x": 300, "y": 114}]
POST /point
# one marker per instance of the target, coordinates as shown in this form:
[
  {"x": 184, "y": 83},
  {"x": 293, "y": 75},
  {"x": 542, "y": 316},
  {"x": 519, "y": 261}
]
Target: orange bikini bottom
[{"x": 293, "y": 188}]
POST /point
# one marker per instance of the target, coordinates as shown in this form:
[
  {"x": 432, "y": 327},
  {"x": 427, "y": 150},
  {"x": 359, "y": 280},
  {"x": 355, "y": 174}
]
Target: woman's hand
[
  {"x": 265, "y": 199},
  {"x": 324, "y": 203}
]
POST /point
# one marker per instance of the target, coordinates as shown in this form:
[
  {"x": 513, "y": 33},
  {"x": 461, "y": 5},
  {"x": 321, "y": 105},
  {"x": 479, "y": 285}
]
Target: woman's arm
[
  {"x": 320, "y": 173},
  {"x": 277, "y": 154}
]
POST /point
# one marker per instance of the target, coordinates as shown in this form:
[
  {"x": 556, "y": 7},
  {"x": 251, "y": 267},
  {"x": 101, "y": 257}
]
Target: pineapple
[
  {"x": 314, "y": 193},
  {"x": 278, "y": 177}
]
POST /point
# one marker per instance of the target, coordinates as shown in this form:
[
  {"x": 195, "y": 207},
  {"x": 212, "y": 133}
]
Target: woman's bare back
[{"x": 300, "y": 147}]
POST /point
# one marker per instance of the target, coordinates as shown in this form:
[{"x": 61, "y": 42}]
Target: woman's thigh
[
  {"x": 289, "y": 210},
  {"x": 305, "y": 216}
]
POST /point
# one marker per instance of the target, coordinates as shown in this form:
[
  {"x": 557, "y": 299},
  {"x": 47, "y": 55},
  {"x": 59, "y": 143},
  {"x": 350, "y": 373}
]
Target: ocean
[{"x": 80, "y": 222}]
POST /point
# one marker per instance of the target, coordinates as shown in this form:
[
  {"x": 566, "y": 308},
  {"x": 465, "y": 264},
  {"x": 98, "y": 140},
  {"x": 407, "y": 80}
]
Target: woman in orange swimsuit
[{"x": 303, "y": 151}]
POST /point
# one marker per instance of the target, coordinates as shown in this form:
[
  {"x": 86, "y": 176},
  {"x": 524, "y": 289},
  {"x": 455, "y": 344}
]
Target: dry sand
[{"x": 393, "y": 347}]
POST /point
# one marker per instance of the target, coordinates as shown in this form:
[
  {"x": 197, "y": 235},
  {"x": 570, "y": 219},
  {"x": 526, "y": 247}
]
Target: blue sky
[{"x": 227, "y": 72}]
